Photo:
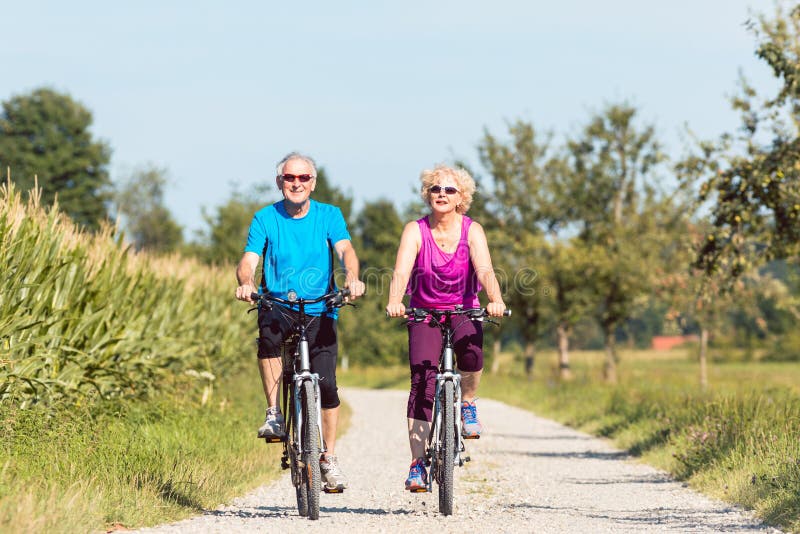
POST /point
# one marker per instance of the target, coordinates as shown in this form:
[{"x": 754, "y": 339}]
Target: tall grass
[{"x": 82, "y": 315}]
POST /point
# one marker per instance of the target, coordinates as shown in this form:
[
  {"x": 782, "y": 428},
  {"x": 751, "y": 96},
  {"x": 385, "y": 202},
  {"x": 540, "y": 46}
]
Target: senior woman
[{"x": 443, "y": 260}]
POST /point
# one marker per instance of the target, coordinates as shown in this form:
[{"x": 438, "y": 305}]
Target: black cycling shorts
[{"x": 274, "y": 327}]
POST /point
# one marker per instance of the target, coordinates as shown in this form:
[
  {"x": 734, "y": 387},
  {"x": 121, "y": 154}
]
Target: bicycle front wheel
[
  {"x": 311, "y": 440},
  {"x": 300, "y": 486},
  {"x": 447, "y": 442}
]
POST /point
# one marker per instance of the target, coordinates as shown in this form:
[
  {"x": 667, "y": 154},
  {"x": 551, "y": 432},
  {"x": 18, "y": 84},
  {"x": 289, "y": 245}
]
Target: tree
[
  {"x": 608, "y": 190},
  {"x": 752, "y": 178},
  {"x": 368, "y": 336},
  {"x": 325, "y": 192},
  {"x": 570, "y": 267},
  {"x": 378, "y": 228},
  {"x": 45, "y": 135},
  {"x": 521, "y": 171},
  {"x": 140, "y": 201},
  {"x": 224, "y": 240}
]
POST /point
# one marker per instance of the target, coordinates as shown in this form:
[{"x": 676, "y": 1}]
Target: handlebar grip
[
  {"x": 507, "y": 313},
  {"x": 255, "y": 296},
  {"x": 345, "y": 292}
]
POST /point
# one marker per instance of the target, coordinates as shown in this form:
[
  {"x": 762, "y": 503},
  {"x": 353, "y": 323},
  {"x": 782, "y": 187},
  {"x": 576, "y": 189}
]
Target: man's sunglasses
[
  {"x": 436, "y": 189},
  {"x": 291, "y": 177}
]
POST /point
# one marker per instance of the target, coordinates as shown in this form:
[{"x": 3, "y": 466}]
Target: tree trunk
[
  {"x": 495, "y": 356},
  {"x": 704, "y": 358},
  {"x": 564, "y": 372},
  {"x": 530, "y": 353},
  {"x": 610, "y": 365}
]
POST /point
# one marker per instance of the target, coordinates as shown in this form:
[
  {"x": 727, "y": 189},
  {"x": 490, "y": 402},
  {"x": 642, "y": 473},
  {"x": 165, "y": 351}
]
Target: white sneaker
[
  {"x": 274, "y": 425},
  {"x": 331, "y": 474}
]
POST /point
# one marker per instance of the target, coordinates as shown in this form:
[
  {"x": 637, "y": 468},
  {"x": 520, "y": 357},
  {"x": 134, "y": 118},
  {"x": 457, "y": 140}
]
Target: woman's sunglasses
[
  {"x": 291, "y": 177},
  {"x": 436, "y": 189}
]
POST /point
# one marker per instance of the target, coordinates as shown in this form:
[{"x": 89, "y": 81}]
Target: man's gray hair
[{"x": 297, "y": 155}]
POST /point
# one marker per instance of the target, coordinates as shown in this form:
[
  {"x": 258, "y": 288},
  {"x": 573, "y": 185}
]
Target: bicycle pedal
[
  {"x": 419, "y": 490},
  {"x": 478, "y": 436},
  {"x": 275, "y": 439},
  {"x": 333, "y": 490}
]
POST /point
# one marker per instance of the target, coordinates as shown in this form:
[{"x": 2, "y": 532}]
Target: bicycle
[
  {"x": 445, "y": 443},
  {"x": 302, "y": 440}
]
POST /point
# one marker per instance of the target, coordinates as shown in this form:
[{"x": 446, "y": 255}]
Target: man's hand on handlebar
[
  {"x": 244, "y": 292},
  {"x": 356, "y": 288}
]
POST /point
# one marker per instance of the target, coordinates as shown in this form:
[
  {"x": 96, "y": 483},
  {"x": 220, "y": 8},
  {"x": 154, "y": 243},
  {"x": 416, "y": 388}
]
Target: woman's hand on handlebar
[
  {"x": 495, "y": 309},
  {"x": 244, "y": 292},
  {"x": 395, "y": 310}
]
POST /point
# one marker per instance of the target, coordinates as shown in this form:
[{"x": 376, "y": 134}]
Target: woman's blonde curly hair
[{"x": 464, "y": 182}]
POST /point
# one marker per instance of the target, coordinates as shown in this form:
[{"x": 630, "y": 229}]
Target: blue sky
[{"x": 375, "y": 91}]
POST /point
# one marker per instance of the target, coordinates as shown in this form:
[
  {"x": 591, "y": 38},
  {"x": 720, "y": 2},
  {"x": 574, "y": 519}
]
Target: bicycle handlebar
[
  {"x": 473, "y": 313},
  {"x": 335, "y": 299}
]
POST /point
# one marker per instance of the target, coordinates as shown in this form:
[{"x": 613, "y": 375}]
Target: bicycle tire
[
  {"x": 311, "y": 441},
  {"x": 448, "y": 448},
  {"x": 298, "y": 475},
  {"x": 301, "y": 488}
]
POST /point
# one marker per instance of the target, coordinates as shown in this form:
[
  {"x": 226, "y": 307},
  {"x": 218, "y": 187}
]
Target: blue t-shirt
[{"x": 298, "y": 253}]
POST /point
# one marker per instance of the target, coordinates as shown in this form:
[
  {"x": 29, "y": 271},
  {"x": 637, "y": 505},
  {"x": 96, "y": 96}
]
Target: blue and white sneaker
[
  {"x": 417, "y": 480},
  {"x": 274, "y": 427},
  {"x": 471, "y": 428}
]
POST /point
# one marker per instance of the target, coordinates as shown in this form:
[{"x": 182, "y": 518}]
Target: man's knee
[{"x": 329, "y": 396}]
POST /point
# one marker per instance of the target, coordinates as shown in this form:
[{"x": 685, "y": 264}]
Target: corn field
[{"x": 84, "y": 316}]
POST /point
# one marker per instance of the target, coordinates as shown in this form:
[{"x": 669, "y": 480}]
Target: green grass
[
  {"x": 739, "y": 440},
  {"x": 80, "y": 469}
]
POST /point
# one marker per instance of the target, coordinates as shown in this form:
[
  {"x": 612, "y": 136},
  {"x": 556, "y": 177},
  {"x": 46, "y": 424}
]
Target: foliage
[
  {"x": 752, "y": 178},
  {"x": 521, "y": 209},
  {"x": 609, "y": 186},
  {"x": 224, "y": 241},
  {"x": 326, "y": 192},
  {"x": 367, "y": 336},
  {"x": 140, "y": 200},
  {"x": 378, "y": 227},
  {"x": 45, "y": 135}
]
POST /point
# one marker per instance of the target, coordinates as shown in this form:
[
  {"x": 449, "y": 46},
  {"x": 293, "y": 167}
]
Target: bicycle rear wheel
[
  {"x": 311, "y": 440},
  {"x": 447, "y": 442}
]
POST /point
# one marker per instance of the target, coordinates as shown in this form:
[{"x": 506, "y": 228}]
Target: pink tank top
[{"x": 439, "y": 279}]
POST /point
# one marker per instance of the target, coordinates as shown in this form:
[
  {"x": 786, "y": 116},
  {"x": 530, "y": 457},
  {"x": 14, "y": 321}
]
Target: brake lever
[{"x": 265, "y": 304}]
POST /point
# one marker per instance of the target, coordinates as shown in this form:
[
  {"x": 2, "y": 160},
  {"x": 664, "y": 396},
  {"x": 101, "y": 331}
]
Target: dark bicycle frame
[{"x": 300, "y": 368}]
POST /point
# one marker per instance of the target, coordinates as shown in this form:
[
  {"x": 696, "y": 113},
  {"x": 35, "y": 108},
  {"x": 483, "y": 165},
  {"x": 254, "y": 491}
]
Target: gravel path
[{"x": 527, "y": 474}]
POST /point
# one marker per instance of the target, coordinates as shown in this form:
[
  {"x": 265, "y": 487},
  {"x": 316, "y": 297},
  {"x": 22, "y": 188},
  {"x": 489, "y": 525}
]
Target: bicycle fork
[{"x": 435, "y": 444}]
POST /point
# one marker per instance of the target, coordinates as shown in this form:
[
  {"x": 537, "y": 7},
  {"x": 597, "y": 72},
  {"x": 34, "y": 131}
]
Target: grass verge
[
  {"x": 738, "y": 441},
  {"x": 90, "y": 468}
]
